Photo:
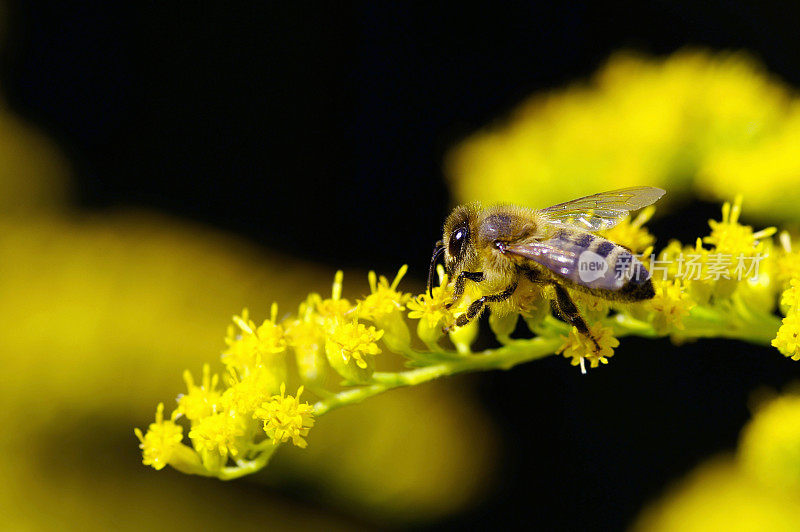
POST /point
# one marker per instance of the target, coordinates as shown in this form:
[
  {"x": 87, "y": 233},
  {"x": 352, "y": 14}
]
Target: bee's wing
[
  {"x": 610, "y": 270},
  {"x": 601, "y": 211}
]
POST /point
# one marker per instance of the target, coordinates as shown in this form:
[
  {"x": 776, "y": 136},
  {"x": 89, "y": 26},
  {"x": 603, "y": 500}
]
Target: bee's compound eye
[{"x": 457, "y": 239}]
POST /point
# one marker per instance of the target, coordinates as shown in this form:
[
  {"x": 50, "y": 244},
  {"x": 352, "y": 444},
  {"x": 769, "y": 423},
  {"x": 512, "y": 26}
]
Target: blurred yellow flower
[
  {"x": 719, "y": 496},
  {"x": 717, "y": 122},
  {"x": 770, "y": 444},
  {"x": 285, "y": 417}
]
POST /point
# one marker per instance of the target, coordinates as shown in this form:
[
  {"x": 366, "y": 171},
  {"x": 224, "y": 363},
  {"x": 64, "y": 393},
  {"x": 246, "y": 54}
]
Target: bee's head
[
  {"x": 457, "y": 238},
  {"x": 456, "y": 242}
]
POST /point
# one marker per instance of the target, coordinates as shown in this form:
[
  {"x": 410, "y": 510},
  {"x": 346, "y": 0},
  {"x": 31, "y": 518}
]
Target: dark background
[{"x": 319, "y": 129}]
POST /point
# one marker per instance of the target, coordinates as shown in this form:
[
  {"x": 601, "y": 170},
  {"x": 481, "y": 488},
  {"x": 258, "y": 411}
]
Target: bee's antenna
[{"x": 437, "y": 250}]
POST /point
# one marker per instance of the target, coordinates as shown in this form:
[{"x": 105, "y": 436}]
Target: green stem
[
  {"x": 506, "y": 357},
  {"x": 246, "y": 467}
]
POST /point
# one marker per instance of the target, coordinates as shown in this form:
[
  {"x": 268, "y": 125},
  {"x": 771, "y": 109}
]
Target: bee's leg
[
  {"x": 458, "y": 288},
  {"x": 567, "y": 310},
  {"x": 476, "y": 306}
]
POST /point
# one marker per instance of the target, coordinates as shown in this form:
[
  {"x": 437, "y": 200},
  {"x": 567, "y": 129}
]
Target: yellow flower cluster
[
  {"x": 285, "y": 417},
  {"x": 332, "y": 345},
  {"x": 788, "y": 339},
  {"x": 714, "y": 122},
  {"x": 597, "y": 347}
]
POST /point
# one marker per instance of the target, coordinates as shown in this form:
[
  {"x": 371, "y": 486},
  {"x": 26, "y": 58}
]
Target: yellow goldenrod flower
[
  {"x": 730, "y": 237},
  {"x": 250, "y": 346},
  {"x": 335, "y": 306},
  {"x": 384, "y": 307},
  {"x": 770, "y": 443},
  {"x": 384, "y": 298},
  {"x": 670, "y": 304},
  {"x": 431, "y": 309},
  {"x": 244, "y": 395},
  {"x": 790, "y": 298},
  {"x": 353, "y": 340},
  {"x": 161, "y": 440},
  {"x": 597, "y": 349},
  {"x": 286, "y": 417},
  {"x": 216, "y": 437},
  {"x": 432, "y": 314},
  {"x": 631, "y": 234},
  {"x": 787, "y": 340},
  {"x": 200, "y": 401}
]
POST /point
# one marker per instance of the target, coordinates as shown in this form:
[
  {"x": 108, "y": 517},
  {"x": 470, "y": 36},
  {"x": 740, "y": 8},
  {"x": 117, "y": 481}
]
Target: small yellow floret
[
  {"x": 250, "y": 345},
  {"x": 246, "y": 394},
  {"x": 431, "y": 309},
  {"x": 335, "y": 306},
  {"x": 217, "y": 434},
  {"x": 384, "y": 298},
  {"x": 286, "y": 417},
  {"x": 354, "y": 340},
  {"x": 580, "y": 347},
  {"x": 199, "y": 401},
  {"x": 787, "y": 340},
  {"x": 671, "y": 304},
  {"x": 791, "y": 296},
  {"x": 161, "y": 439},
  {"x": 730, "y": 237}
]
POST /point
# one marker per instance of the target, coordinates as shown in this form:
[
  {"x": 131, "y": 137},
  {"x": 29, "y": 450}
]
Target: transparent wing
[
  {"x": 601, "y": 211},
  {"x": 555, "y": 258}
]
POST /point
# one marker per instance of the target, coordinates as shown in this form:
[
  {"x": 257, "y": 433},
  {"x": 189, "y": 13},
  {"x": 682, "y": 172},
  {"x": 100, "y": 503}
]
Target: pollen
[
  {"x": 285, "y": 417},
  {"x": 353, "y": 340},
  {"x": 161, "y": 439},
  {"x": 200, "y": 401},
  {"x": 596, "y": 347},
  {"x": 384, "y": 298}
]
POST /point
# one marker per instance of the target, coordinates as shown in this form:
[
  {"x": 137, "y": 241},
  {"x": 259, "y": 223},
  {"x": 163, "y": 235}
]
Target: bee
[{"x": 518, "y": 255}]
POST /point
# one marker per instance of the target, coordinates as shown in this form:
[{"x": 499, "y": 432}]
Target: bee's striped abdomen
[{"x": 594, "y": 262}]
